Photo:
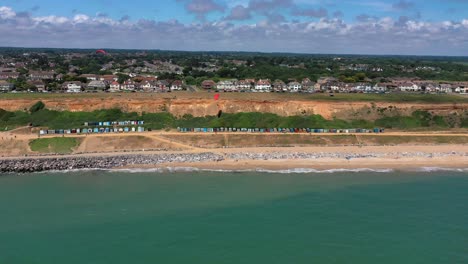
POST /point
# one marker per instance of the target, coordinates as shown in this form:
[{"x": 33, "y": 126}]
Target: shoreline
[{"x": 255, "y": 159}]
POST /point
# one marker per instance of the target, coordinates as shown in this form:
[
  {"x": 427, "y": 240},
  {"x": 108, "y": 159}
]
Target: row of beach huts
[
  {"x": 100, "y": 128},
  {"x": 95, "y": 130},
  {"x": 279, "y": 130}
]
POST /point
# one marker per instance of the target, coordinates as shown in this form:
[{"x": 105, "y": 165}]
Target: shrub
[{"x": 37, "y": 107}]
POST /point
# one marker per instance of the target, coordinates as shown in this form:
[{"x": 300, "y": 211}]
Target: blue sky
[{"x": 434, "y": 27}]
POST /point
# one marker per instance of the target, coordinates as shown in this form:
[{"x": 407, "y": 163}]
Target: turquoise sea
[{"x": 226, "y": 217}]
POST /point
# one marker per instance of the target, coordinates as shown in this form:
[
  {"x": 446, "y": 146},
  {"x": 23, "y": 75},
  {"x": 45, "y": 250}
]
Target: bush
[{"x": 37, "y": 107}]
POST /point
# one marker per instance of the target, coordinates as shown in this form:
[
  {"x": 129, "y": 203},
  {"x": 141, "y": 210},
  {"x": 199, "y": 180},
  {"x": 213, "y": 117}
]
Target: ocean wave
[
  {"x": 436, "y": 169},
  {"x": 261, "y": 170},
  {"x": 287, "y": 171}
]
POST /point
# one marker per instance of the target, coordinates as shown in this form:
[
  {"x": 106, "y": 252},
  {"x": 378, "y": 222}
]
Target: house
[
  {"x": 177, "y": 85},
  {"x": 280, "y": 86},
  {"x": 263, "y": 85},
  {"x": 6, "y": 86},
  {"x": 41, "y": 75},
  {"x": 294, "y": 87},
  {"x": 96, "y": 86},
  {"x": 90, "y": 77},
  {"x": 109, "y": 78},
  {"x": 162, "y": 86},
  {"x": 307, "y": 85},
  {"x": 9, "y": 75},
  {"x": 408, "y": 87},
  {"x": 461, "y": 88},
  {"x": 148, "y": 86},
  {"x": 381, "y": 87},
  {"x": 429, "y": 87},
  {"x": 208, "y": 84},
  {"x": 114, "y": 87},
  {"x": 129, "y": 85},
  {"x": 243, "y": 85},
  {"x": 363, "y": 88},
  {"x": 445, "y": 88},
  {"x": 39, "y": 85},
  {"x": 324, "y": 80},
  {"x": 333, "y": 86},
  {"x": 72, "y": 87},
  {"x": 227, "y": 85}
]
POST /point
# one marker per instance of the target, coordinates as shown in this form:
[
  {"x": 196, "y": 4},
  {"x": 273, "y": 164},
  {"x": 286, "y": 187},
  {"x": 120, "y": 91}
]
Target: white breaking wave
[
  {"x": 288, "y": 171},
  {"x": 435, "y": 169}
]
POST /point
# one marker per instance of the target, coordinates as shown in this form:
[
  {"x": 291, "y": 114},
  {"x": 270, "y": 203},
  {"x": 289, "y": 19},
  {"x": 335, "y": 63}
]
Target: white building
[
  {"x": 409, "y": 87},
  {"x": 263, "y": 86},
  {"x": 294, "y": 87},
  {"x": 73, "y": 87},
  {"x": 114, "y": 87},
  {"x": 227, "y": 85}
]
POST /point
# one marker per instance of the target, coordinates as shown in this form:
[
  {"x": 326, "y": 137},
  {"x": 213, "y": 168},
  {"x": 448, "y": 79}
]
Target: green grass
[
  {"x": 399, "y": 98},
  {"x": 157, "y": 121},
  {"x": 60, "y": 145},
  {"x": 422, "y": 98}
]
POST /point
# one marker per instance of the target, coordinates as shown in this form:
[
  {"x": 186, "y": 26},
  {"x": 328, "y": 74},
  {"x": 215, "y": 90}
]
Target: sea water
[{"x": 227, "y": 217}]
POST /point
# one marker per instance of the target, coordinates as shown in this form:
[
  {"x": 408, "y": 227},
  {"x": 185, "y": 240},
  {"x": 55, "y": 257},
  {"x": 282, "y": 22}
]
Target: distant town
[{"x": 90, "y": 71}]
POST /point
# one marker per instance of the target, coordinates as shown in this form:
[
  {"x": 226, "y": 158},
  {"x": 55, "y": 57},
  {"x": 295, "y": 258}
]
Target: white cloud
[
  {"x": 374, "y": 36},
  {"x": 6, "y": 12}
]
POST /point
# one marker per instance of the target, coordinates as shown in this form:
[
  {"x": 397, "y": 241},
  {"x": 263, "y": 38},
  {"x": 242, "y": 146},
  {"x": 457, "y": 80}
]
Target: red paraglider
[
  {"x": 103, "y": 52},
  {"x": 216, "y": 96}
]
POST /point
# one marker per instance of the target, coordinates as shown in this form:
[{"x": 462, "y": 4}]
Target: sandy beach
[{"x": 180, "y": 154}]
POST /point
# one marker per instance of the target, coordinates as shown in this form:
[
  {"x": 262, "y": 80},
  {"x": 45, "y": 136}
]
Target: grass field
[
  {"x": 60, "y": 145},
  {"x": 291, "y": 140},
  {"x": 423, "y": 98}
]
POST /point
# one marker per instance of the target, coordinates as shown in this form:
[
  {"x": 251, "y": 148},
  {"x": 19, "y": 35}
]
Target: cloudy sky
[{"x": 420, "y": 27}]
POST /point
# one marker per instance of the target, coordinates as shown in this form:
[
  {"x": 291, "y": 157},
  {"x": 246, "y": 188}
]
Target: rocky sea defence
[{"x": 100, "y": 162}]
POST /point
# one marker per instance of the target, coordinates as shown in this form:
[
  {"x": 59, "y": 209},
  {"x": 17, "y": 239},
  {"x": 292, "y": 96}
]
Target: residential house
[
  {"x": 409, "y": 87},
  {"x": 6, "y": 86},
  {"x": 129, "y": 85},
  {"x": 96, "y": 85},
  {"x": 162, "y": 86},
  {"x": 148, "y": 86},
  {"x": 307, "y": 85},
  {"x": 279, "y": 86},
  {"x": 72, "y": 87},
  {"x": 429, "y": 87},
  {"x": 114, "y": 87},
  {"x": 227, "y": 85},
  {"x": 461, "y": 88},
  {"x": 263, "y": 85},
  {"x": 324, "y": 80},
  {"x": 445, "y": 88},
  {"x": 362, "y": 88},
  {"x": 381, "y": 87},
  {"x": 177, "y": 85},
  {"x": 109, "y": 78},
  {"x": 294, "y": 87},
  {"x": 90, "y": 77},
  {"x": 208, "y": 84},
  {"x": 333, "y": 86},
  {"x": 39, "y": 85},
  {"x": 243, "y": 85},
  {"x": 9, "y": 75},
  {"x": 41, "y": 75}
]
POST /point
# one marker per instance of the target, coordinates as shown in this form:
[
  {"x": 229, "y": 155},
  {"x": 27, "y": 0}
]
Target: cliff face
[{"x": 202, "y": 107}]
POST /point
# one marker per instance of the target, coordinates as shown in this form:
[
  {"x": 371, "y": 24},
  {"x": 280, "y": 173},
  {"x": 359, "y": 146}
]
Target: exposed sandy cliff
[{"x": 202, "y": 107}]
